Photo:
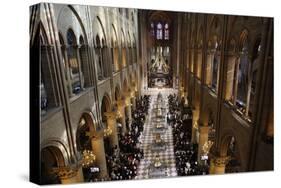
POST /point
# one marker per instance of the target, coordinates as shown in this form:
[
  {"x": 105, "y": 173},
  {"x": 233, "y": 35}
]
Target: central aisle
[{"x": 146, "y": 168}]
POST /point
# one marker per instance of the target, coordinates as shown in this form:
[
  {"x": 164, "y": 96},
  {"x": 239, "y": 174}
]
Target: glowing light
[
  {"x": 207, "y": 146},
  {"x": 107, "y": 132},
  {"x": 88, "y": 158}
]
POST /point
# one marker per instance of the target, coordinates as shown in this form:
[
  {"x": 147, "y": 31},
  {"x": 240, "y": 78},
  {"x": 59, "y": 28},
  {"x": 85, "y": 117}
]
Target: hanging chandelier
[
  {"x": 88, "y": 158},
  {"x": 118, "y": 114},
  {"x": 207, "y": 146},
  {"x": 107, "y": 132}
]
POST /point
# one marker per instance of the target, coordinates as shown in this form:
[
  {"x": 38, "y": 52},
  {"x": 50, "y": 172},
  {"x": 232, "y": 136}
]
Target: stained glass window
[
  {"x": 166, "y": 33},
  {"x": 159, "y": 31}
]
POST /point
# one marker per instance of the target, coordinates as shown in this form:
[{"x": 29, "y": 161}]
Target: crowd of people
[
  {"x": 185, "y": 151},
  {"x": 122, "y": 163}
]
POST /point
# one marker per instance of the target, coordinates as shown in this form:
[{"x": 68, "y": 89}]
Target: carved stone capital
[
  {"x": 221, "y": 161},
  {"x": 65, "y": 172}
]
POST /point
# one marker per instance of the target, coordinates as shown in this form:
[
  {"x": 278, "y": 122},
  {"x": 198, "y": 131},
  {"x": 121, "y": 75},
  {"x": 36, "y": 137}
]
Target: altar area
[
  {"x": 157, "y": 142},
  {"x": 160, "y": 70}
]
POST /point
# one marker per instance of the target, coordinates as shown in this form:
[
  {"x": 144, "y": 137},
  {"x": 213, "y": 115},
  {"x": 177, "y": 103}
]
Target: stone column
[
  {"x": 134, "y": 102},
  {"x": 134, "y": 99},
  {"x": 195, "y": 115},
  {"x": 199, "y": 63},
  {"x": 67, "y": 70},
  {"x": 102, "y": 63},
  {"x": 129, "y": 113},
  {"x": 116, "y": 59},
  {"x": 137, "y": 93},
  {"x": 231, "y": 62},
  {"x": 212, "y": 166},
  {"x": 203, "y": 138},
  {"x": 80, "y": 176},
  {"x": 99, "y": 152},
  {"x": 49, "y": 75},
  {"x": 69, "y": 175},
  {"x": 124, "y": 63},
  {"x": 85, "y": 66},
  {"x": 128, "y": 107},
  {"x": 218, "y": 164},
  {"x": 121, "y": 109},
  {"x": 192, "y": 60},
  {"x": 235, "y": 87},
  {"x": 111, "y": 123},
  {"x": 181, "y": 92},
  {"x": 210, "y": 57}
]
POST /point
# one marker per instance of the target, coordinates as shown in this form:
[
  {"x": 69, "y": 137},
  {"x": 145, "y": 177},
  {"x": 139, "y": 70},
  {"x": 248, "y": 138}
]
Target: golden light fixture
[
  {"x": 88, "y": 158},
  {"x": 107, "y": 132},
  {"x": 132, "y": 94},
  {"x": 118, "y": 114},
  {"x": 207, "y": 146}
]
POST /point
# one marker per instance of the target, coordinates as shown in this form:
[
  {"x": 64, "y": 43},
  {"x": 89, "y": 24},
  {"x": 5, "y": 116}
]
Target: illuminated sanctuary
[{"x": 136, "y": 94}]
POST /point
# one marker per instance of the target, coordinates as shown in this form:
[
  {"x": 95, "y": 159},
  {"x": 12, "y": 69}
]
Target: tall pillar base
[
  {"x": 218, "y": 164},
  {"x": 99, "y": 152},
  {"x": 111, "y": 123},
  {"x": 70, "y": 175},
  {"x": 203, "y": 139}
]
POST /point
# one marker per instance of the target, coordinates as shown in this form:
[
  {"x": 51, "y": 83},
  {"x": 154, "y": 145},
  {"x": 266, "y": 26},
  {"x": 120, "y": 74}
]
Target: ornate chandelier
[
  {"x": 207, "y": 146},
  {"x": 118, "y": 114},
  {"x": 88, "y": 158},
  {"x": 107, "y": 132}
]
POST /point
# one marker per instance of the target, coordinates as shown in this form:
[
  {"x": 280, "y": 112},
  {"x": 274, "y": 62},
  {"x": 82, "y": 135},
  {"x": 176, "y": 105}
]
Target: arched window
[
  {"x": 166, "y": 33},
  {"x": 48, "y": 95},
  {"x": 65, "y": 64},
  {"x": 244, "y": 77},
  {"x": 84, "y": 62},
  {"x": 166, "y": 52},
  {"x": 101, "y": 51},
  {"x": 71, "y": 39},
  {"x": 73, "y": 63},
  {"x": 159, "y": 31},
  {"x": 99, "y": 58}
]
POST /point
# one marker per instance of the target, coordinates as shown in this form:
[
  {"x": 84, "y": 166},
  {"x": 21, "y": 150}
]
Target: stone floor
[{"x": 163, "y": 153}]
